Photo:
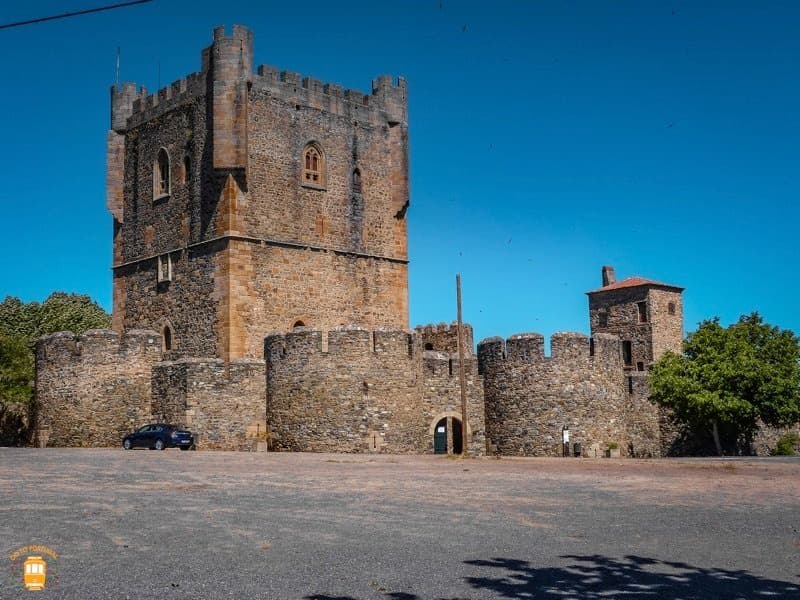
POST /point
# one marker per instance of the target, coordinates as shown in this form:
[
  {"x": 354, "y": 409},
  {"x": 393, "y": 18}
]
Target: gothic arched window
[
  {"x": 313, "y": 165},
  {"x": 356, "y": 181}
]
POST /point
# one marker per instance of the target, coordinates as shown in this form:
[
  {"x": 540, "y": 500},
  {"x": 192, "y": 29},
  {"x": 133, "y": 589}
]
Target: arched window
[
  {"x": 298, "y": 325},
  {"x": 161, "y": 175},
  {"x": 356, "y": 181},
  {"x": 313, "y": 165},
  {"x": 167, "y": 338}
]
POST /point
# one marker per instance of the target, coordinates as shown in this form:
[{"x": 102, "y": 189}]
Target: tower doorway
[
  {"x": 440, "y": 437},
  {"x": 447, "y": 438},
  {"x": 458, "y": 445}
]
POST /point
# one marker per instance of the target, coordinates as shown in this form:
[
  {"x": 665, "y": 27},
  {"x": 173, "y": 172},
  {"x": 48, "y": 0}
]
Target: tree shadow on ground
[{"x": 595, "y": 577}]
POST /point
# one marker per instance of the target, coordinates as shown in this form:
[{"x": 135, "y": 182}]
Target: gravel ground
[{"x": 203, "y": 525}]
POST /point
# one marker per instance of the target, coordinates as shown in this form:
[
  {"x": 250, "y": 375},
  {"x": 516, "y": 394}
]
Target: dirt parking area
[{"x": 171, "y": 524}]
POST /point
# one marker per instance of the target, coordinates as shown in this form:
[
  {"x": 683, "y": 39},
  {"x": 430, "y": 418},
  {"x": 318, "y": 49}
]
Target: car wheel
[
  {"x": 126, "y": 444},
  {"x": 184, "y": 447},
  {"x": 159, "y": 444}
]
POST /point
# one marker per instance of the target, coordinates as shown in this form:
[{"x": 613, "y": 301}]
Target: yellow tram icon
[{"x": 34, "y": 573}]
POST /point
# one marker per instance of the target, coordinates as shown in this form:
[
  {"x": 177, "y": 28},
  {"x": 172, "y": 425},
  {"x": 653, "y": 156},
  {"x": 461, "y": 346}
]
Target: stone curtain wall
[
  {"x": 93, "y": 389},
  {"x": 529, "y": 397},
  {"x": 361, "y": 391},
  {"x": 221, "y": 405}
]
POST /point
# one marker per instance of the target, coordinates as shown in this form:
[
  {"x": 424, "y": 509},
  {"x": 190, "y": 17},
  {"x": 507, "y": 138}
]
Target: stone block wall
[
  {"x": 355, "y": 390},
  {"x": 221, "y": 404},
  {"x": 444, "y": 337},
  {"x": 441, "y": 398},
  {"x": 93, "y": 389},
  {"x": 249, "y": 242},
  {"x": 530, "y": 398},
  {"x": 643, "y": 418}
]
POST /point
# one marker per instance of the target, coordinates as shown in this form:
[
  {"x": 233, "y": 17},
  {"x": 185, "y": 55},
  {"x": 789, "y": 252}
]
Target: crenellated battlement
[
  {"x": 387, "y": 102},
  {"x": 92, "y": 389},
  {"x": 343, "y": 341},
  {"x": 602, "y": 350},
  {"x": 98, "y": 345}
]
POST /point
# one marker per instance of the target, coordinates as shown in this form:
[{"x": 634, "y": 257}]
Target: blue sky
[{"x": 547, "y": 139}]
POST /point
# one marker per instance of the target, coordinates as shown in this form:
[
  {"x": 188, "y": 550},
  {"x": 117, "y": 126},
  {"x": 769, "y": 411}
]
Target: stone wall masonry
[
  {"x": 441, "y": 397},
  {"x": 321, "y": 289},
  {"x": 188, "y": 304},
  {"x": 221, "y": 404},
  {"x": 387, "y": 103},
  {"x": 365, "y": 391},
  {"x": 444, "y": 338},
  {"x": 93, "y": 389},
  {"x": 667, "y": 328},
  {"x": 649, "y": 340},
  {"x": 368, "y": 219},
  {"x": 530, "y": 398},
  {"x": 642, "y": 418}
]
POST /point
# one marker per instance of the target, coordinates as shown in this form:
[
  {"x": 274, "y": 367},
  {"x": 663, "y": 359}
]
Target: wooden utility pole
[{"x": 461, "y": 376}]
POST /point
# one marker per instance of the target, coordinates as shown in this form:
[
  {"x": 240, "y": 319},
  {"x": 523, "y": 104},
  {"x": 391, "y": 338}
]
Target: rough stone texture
[
  {"x": 767, "y": 439},
  {"x": 250, "y": 243},
  {"x": 649, "y": 340},
  {"x": 93, "y": 389},
  {"x": 359, "y": 391},
  {"x": 444, "y": 338},
  {"x": 642, "y": 418},
  {"x": 220, "y": 403},
  {"x": 651, "y": 429},
  {"x": 530, "y": 398}
]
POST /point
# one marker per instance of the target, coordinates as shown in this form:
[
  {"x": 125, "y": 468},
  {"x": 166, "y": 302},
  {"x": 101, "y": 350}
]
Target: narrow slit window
[
  {"x": 671, "y": 308},
  {"x": 356, "y": 181},
  {"x": 167, "y": 339}
]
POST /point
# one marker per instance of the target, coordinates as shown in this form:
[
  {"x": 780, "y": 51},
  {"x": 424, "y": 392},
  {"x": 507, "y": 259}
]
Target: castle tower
[
  {"x": 248, "y": 202},
  {"x": 645, "y": 314}
]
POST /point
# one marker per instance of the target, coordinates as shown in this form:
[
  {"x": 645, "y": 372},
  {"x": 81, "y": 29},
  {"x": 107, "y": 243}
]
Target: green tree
[
  {"x": 21, "y": 324},
  {"x": 729, "y": 379}
]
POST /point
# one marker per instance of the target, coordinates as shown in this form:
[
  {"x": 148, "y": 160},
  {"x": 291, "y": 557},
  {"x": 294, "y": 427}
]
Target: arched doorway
[
  {"x": 447, "y": 438},
  {"x": 440, "y": 437},
  {"x": 458, "y": 444}
]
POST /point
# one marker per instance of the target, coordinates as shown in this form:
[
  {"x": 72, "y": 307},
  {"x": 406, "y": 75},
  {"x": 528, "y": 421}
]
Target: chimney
[{"x": 608, "y": 276}]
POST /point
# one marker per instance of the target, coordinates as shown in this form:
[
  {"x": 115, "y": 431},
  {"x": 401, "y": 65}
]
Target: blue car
[{"x": 159, "y": 436}]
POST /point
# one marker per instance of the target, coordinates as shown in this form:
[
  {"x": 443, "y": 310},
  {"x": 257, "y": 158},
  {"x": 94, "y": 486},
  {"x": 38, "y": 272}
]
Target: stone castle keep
[{"x": 260, "y": 273}]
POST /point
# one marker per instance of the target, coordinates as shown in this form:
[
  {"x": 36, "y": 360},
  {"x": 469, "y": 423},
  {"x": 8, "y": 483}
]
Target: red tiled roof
[{"x": 633, "y": 282}]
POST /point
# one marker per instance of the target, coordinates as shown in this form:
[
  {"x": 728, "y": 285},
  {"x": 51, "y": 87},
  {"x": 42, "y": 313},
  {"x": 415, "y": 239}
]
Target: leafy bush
[
  {"x": 786, "y": 445},
  {"x": 613, "y": 446}
]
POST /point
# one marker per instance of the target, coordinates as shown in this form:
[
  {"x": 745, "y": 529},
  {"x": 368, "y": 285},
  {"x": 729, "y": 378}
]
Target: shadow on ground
[{"x": 595, "y": 577}]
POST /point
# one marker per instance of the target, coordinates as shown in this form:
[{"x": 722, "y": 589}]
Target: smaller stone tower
[
  {"x": 648, "y": 318},
  {"x": 646, "y": 315}
]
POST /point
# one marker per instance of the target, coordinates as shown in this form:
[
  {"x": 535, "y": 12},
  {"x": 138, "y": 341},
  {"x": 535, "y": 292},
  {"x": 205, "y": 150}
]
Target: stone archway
[{"x": 450, "y": 421}]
